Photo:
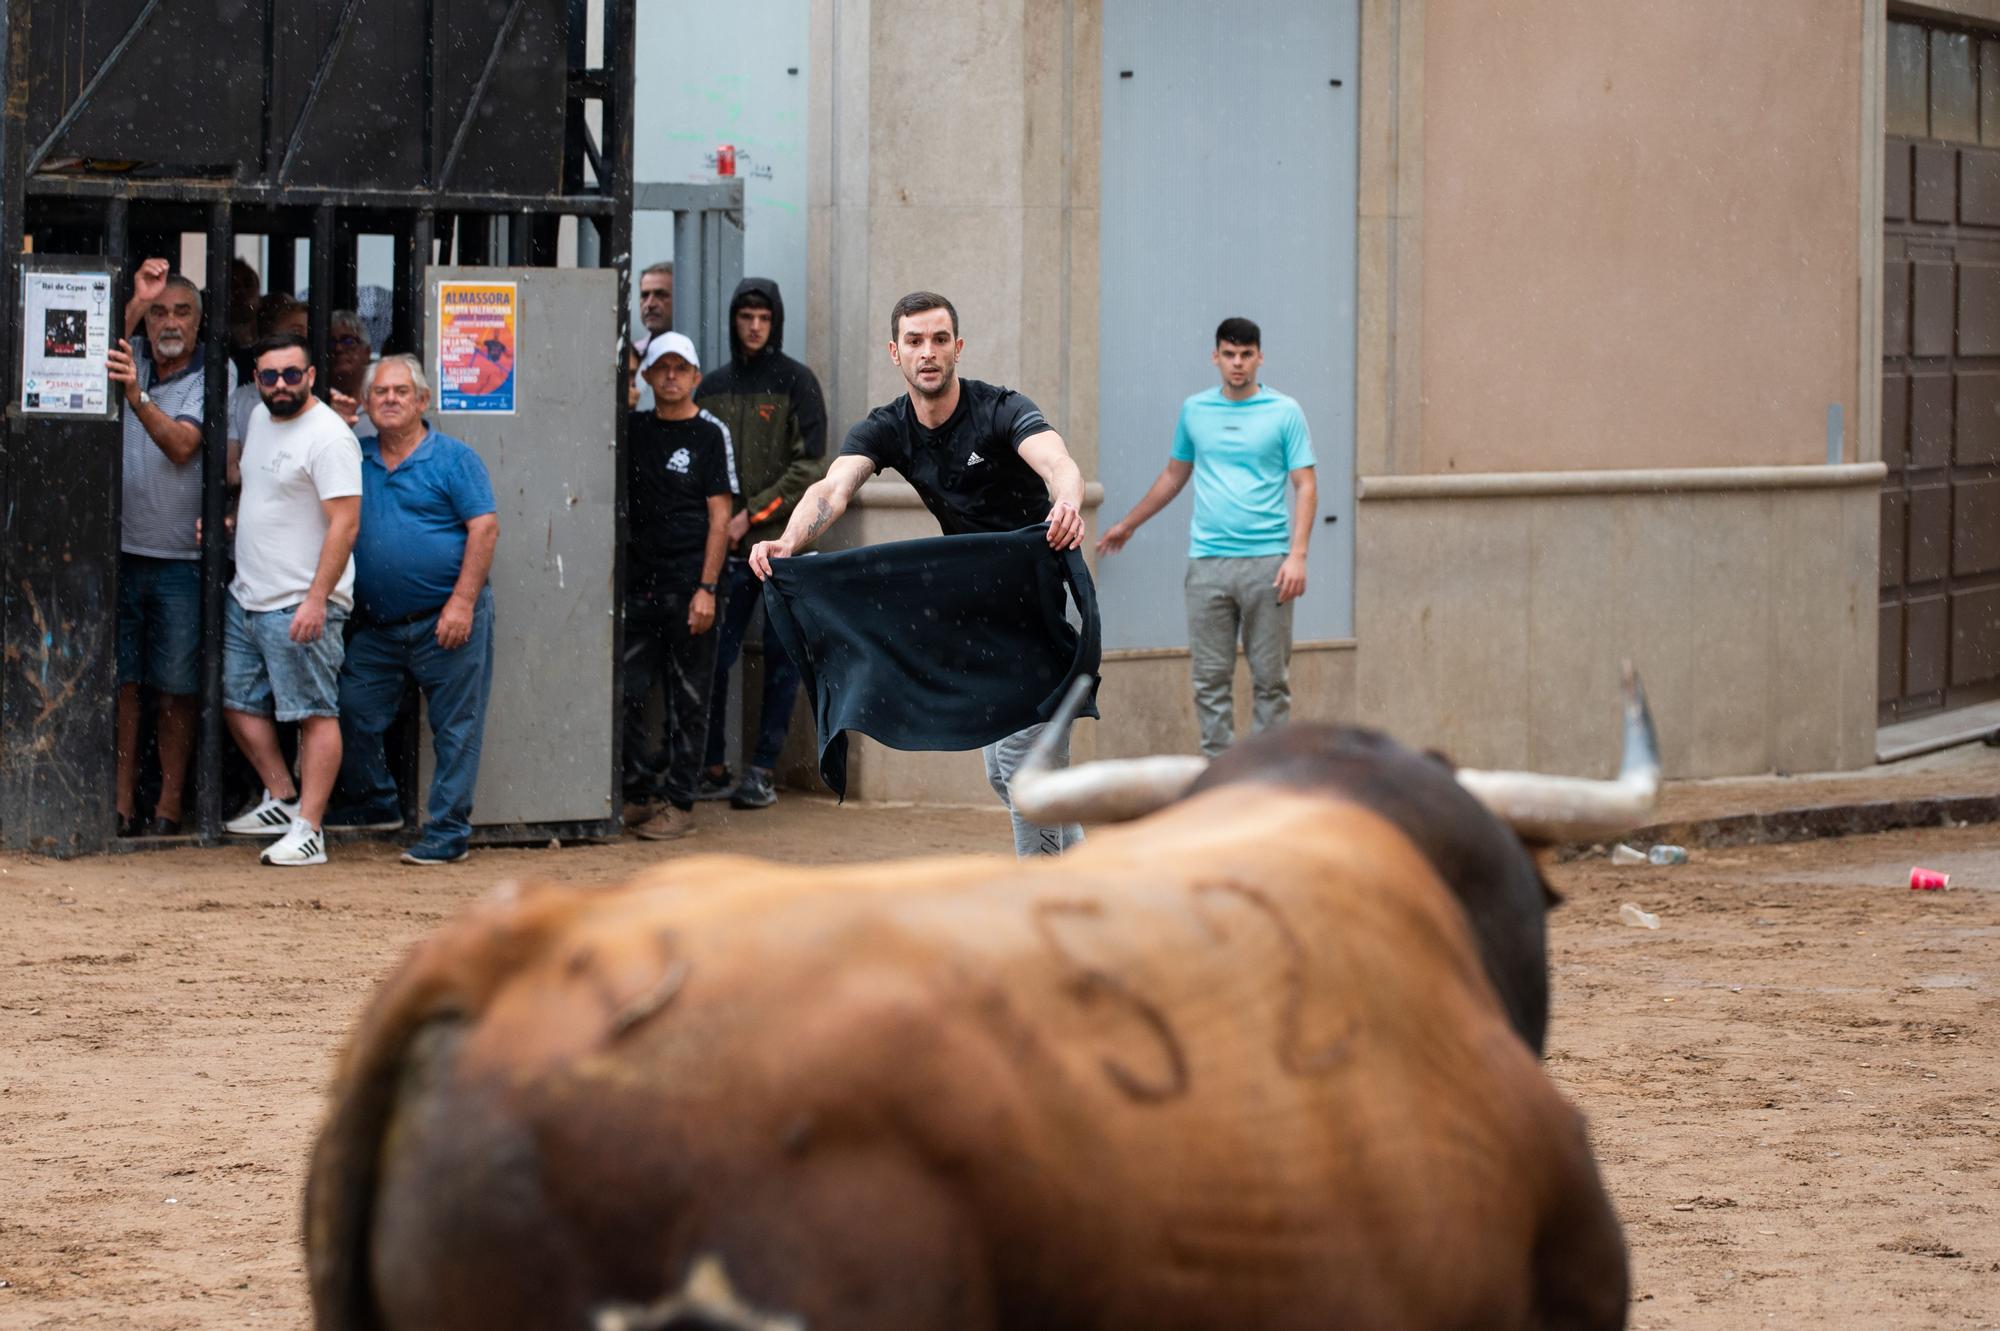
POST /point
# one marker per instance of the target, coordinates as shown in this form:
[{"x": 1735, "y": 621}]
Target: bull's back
[{"x": 1178, "y": 1079}]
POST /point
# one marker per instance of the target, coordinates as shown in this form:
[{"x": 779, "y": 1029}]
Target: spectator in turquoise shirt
[{"x": 1240, "y": 442}]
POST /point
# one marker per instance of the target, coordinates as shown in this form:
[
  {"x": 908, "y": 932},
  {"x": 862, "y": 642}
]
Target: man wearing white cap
[{"x": 680, "y": 475}]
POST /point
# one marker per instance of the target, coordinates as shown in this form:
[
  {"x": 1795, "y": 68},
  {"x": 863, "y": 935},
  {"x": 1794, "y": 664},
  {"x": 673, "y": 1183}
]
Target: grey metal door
[
  {"x": 548, "y": 751},
  {"x": 1229, "y": 151}
]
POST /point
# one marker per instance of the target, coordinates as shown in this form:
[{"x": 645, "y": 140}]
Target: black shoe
[
  {"x": 165, "y": 826},
  {"x": 128, "y": 825},
  {"x": 754, "y": 791},
  {"x": 715, "y": 787}
]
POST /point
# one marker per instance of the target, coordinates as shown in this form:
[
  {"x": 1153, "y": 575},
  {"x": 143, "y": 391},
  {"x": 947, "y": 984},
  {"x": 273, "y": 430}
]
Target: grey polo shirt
[{"x": 162, "y": 499}]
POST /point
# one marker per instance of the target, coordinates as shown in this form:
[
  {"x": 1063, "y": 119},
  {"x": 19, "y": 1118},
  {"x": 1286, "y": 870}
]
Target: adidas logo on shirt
[
  {"x": 680, "y": 461},
  {"x": 973, "y": 459}
]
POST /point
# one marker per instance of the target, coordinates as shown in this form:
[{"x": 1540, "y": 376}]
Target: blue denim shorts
[
  {"x": 159, "y": 623},
  {"x": 265, "y": 673}
]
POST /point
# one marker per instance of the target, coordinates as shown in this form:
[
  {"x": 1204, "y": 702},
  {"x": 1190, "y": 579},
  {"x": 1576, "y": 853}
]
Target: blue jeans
[
  {"x": 265, "y": 673},
  {"x": 159, "y": 623},
  {"x": 455, "y": 685},
  {"x": 781, "y": 677}
]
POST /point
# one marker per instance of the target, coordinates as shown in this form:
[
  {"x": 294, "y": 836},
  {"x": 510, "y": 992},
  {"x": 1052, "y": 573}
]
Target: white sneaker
[
  {"x": 271, "y": 817},
  {"x": 304, "y": 844}
]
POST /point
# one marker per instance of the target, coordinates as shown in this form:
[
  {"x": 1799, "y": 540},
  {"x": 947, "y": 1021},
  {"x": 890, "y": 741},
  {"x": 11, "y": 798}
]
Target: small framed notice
[{"x": 66, "y": 319}]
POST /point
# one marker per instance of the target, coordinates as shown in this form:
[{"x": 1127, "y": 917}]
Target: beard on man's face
[{"x": 284, "y": 402}]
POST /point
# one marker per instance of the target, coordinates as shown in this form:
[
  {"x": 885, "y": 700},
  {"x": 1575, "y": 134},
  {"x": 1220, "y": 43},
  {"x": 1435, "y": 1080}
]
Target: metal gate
[
  {"x": 1208, "y": 108},
  {"x": 1940, "y": 574}
]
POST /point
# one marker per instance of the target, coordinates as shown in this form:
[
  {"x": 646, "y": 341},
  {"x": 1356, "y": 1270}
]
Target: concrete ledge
[
  {"x": 1677, "y": 480},
  {"x": 1180, "y": 653},
  {"x": 1781, "y": 826}
]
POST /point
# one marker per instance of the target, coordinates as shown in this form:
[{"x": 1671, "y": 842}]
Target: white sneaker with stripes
[
  {"x": 269, "y": 817},
  {"x": 304, "y": 844}
]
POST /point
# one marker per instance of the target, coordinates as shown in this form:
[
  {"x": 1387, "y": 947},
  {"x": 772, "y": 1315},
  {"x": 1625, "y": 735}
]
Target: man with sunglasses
[{"x": 281, "y": 633}]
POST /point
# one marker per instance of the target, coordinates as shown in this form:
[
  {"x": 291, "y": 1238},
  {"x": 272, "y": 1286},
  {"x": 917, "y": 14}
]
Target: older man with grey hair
[
  {"x": 164, "y": 382},
  {"x": 422, "y": 611}
]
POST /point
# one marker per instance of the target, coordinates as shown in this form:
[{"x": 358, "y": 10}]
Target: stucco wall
[{"x": 1640, "y": 245}]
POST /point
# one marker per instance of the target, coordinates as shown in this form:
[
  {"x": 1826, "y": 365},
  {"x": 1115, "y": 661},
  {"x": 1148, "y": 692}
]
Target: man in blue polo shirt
[
  {"x": 421, "y": 608},
  {"x": 1240, "y": 442}
]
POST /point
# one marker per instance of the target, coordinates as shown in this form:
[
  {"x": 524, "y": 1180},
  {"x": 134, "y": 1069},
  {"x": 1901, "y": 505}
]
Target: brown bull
[{"x": 1237, "y": 1065}]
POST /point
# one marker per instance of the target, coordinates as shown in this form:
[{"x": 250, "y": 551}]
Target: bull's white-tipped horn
[
  {"x": 1561, "y": 808},
  {"x": 1113, "y": 790}
]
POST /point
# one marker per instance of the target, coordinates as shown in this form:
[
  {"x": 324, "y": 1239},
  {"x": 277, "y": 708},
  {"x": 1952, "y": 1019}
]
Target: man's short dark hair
[
  {"x": 917, "y": 302},
  {"x": 1240, "y": 331},
  {"x": 664, "y": 267},
  {"x": 264, "y": 346},
  {"x": 754, "y": 300}
]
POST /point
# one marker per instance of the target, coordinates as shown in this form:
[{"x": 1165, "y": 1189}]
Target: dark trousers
[
  {"x": 781, "y": 677},
  {"x": 455, "y": 685},
  {"x": 659, "y": 647}
]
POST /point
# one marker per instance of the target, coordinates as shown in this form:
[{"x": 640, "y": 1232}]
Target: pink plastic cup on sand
[{"x": 1928, "y": 880}]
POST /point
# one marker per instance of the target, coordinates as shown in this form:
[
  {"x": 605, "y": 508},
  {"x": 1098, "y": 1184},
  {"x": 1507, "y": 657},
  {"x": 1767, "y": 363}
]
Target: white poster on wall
[{"x": 65, "y": 333}]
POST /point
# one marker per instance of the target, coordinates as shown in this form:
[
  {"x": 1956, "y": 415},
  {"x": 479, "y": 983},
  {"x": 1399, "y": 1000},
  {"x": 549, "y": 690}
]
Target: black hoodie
[{"x": 776, "y": 418}]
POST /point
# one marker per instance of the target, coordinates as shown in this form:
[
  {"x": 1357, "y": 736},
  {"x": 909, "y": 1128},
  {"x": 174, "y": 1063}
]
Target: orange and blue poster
[{"x": 476, "y": 343}]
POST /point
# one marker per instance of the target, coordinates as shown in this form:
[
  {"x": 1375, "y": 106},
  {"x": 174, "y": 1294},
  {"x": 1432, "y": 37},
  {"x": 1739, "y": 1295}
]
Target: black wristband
[{"x": 708, "y": 587}]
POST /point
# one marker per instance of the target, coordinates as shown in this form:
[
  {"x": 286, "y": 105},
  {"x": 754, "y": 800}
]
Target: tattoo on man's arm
[{"x": 822, "y": 515}]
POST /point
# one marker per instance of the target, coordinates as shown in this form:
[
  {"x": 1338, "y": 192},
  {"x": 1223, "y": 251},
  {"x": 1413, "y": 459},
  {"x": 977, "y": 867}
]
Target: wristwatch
[
  {"x": 708, "y": 587},
  {"x": 145, "y": 398}
]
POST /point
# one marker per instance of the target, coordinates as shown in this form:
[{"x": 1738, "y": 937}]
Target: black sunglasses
[{"x": 291, "y": 374}]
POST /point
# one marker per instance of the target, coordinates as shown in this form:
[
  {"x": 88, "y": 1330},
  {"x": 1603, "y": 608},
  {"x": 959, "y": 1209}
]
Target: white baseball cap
[{"x": 663, "y": 344}]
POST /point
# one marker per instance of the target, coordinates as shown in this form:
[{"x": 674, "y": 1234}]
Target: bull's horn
[
  {"x": 1113, "y": 790},
  {"x": 1560, "y": 808}
]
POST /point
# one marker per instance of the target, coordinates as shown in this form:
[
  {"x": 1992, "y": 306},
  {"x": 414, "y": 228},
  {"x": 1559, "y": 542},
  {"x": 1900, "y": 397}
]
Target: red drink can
[
  {"x": 725, "y": 159},
  {"x": 1928, "y": 880}
]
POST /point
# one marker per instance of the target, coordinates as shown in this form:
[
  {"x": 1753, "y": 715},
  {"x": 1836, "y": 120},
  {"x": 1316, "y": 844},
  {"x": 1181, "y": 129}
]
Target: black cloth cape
[{"x": 949, "y": 643}]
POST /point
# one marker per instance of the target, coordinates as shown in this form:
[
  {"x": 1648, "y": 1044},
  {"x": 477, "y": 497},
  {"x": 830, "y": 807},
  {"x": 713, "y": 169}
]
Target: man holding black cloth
[
  {"x": 679, "y": 481},
  {"x": 981, "y": 457}
]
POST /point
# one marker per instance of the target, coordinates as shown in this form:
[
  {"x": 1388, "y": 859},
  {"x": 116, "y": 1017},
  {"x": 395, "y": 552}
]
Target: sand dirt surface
[{"x": 1793, "y": 1084}]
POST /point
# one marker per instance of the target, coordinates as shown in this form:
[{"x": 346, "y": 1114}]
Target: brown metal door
[{"x": 1940, "y": 583}]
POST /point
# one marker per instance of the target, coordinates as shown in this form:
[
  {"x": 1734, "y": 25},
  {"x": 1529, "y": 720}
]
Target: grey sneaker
[
  {"x": 715, "y": 787},
  {"x": 755, "y": 790}
]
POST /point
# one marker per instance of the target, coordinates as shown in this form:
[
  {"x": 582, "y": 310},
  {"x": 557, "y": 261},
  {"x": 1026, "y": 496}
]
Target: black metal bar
[
  {"x": 475, "y": 240},
  {"x": 297, "y": 138},
  {"x": 519, "y": 234},
  {"x": 103, "y": 71},
  {"x": 214, "y": 487},
  {"x": 13, "y": 201},
  {"x": 204, "y": 192},
  {"x": 422, "y": 244},
  {"x": 282, "y": 268},
  {"x": 321, "y": 293},
  {"x": 620, "y": 29},
  {"x": 479, "y": 91}
]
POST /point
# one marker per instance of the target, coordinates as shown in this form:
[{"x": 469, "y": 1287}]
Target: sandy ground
[{"x": 1794, "y": 1084}]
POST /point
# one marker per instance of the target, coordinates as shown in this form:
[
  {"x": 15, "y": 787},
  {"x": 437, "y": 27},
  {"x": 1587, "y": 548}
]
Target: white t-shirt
[{"x": 288, "y": 468}]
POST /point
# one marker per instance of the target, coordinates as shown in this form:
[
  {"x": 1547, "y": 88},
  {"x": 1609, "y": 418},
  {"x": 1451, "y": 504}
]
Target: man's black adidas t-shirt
[
  {"x": 966, "y": 471},
  {"x": 671, "y": 470}
]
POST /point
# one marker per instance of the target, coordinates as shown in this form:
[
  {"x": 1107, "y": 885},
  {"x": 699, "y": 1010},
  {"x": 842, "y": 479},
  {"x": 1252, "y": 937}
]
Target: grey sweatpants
[
  {"x": 1225, "y": 597},
  {"x": 1002, "y": 761}
]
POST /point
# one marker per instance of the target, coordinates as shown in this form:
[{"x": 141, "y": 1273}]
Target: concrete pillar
[{"x": 953, "y": 149}]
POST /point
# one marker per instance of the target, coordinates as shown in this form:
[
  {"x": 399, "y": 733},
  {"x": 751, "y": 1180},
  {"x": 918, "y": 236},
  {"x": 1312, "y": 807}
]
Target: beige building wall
[
  {"x": 1640, "y": 246},
  {"x": 1615, "y": 262}
]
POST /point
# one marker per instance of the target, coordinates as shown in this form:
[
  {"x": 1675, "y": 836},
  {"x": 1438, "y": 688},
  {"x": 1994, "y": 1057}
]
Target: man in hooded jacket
[{"x": 776, "y": 415}]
